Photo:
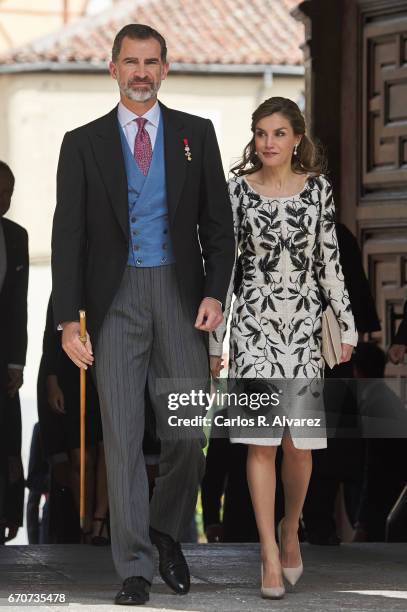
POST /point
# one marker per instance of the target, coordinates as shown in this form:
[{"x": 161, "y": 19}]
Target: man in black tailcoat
[{"x": 143, "y": 240}]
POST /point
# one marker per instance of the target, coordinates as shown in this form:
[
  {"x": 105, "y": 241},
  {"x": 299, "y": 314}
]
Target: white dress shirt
[{"x": 130, "y": 128}]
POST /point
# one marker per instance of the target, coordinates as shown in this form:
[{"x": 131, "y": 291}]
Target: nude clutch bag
[{"x": 331, "y": 338}]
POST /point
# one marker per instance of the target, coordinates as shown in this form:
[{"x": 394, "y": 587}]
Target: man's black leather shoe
[
  {"x": 172, "y": 566},
  {"x": 134, "y": 592}
]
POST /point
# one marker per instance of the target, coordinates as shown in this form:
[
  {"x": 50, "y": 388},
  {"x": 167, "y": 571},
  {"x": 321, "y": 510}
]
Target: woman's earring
[{"x": 296, "y": 150}]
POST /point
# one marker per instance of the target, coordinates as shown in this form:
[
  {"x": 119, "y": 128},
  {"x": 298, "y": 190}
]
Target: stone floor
[{"x": 352, "y": 577}]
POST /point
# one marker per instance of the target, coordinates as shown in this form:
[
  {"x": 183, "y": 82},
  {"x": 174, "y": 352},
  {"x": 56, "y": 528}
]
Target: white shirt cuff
[{"x": 219, "y": 302}]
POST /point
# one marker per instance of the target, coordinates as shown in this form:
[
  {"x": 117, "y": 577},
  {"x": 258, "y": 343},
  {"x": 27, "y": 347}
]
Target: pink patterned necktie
[{"x": 142, "y": 146}]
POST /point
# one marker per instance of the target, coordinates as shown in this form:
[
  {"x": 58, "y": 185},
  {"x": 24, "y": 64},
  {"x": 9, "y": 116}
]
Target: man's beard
[{"x": 141, "y": 95}]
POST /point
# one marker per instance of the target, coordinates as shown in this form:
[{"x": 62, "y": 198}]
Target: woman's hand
[
  {"x": 55, "y": 395},
  {"x": 347, "y": 350},
  {"x": 216, "y": 365}
]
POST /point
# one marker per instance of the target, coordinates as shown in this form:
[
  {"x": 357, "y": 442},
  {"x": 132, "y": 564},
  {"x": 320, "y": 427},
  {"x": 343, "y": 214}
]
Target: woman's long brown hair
[{"x": 309, "y": 158}]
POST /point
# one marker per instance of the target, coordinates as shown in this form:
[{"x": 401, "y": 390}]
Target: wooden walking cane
[{"x": 82, "y": 338}]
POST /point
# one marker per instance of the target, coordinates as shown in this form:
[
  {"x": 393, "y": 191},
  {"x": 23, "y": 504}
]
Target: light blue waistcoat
[{"x": 149, "y": 242}]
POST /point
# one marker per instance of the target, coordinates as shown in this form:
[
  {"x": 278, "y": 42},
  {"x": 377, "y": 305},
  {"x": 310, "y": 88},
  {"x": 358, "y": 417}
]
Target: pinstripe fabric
[{"x": 146, "y": 335}]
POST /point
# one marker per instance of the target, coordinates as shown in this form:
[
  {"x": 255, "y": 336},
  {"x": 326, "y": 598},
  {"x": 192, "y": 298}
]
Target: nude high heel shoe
[
  {"x": 271, "y": 592},
  {"x": 291, "y": 574}
]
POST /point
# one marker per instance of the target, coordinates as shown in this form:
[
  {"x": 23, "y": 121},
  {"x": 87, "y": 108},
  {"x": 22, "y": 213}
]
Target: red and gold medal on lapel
[{"x": 187, "y": 150}]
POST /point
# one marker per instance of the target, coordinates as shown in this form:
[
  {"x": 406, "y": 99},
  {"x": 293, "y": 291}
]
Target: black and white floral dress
[{"x": 288, "y": 253}]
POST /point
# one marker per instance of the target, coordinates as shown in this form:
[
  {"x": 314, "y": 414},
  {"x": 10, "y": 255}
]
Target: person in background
[
  {"x": 399, "y": 345},
  {"x": 59, "y": 392},
  {"x": 342, "y": 461},
  {"x": 13, "y": 500},
  {"x": 38, "y": 485},
  {"x": 384, "y": 423},
  {"x": 63, "y": 525},
  {"x": 14, "y": 267},
  {"x": 225, "y": 477}
]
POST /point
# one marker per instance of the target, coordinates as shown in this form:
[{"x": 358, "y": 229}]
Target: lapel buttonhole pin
[{"x": 187, "y": 150}]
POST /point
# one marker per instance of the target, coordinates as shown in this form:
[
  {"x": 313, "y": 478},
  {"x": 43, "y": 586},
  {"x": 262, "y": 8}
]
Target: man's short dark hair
[
  {"x": 370, "y": 359},
  {"x": 7, "y": 170},
  {"x": 138, "y": 31}
]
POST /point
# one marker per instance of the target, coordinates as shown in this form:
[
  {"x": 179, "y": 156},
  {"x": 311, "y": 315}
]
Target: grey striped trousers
[{"x": 146, "y": 336}]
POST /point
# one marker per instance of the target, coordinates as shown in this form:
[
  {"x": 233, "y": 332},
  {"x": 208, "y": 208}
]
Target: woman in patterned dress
[{"x": 284, "y": 218}]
